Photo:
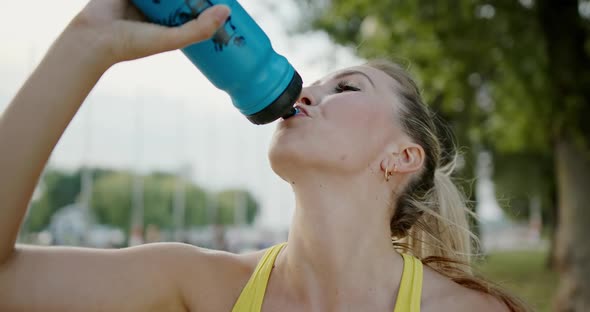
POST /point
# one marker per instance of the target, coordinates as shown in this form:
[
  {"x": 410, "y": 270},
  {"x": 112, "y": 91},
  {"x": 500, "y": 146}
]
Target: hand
[{"x": 117, "y": 31}]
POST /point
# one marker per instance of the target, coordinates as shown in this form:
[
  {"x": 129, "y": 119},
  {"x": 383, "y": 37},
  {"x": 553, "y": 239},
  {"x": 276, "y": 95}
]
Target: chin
[
  {"x": 288, "y": 154},
  {"x": 283, "y": 157}
]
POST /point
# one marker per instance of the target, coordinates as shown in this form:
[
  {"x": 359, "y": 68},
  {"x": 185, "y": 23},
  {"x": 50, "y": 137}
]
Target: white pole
[
  {"x": 86, "y": 176},
  {"x": 180, "y": 194},
  {"x": 137, "y": 204}
]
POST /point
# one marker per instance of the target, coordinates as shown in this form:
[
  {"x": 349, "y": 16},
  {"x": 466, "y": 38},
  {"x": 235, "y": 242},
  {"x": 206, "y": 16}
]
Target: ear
[{"x": 410, "y": 159}]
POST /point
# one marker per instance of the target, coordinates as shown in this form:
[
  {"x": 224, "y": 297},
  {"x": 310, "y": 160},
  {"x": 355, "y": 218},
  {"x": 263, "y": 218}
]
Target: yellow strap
[
  {"x": 410, "y": 288},
  {"x": 252, "y": 295}
]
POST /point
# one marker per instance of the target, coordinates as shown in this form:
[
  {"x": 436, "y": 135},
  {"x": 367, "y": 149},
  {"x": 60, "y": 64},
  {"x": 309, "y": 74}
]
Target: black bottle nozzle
[
  {"x": 292, "y": 112},
  {"x": 282, "y": 106}
]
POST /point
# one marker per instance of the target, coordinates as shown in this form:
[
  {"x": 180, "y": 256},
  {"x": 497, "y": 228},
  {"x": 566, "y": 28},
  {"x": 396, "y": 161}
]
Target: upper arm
[{"x": 143, "y": 278}]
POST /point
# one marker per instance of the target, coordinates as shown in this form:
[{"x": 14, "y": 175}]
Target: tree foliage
[
  {"x": 57, "y": 189},
  {"x": 111, "y": 202},
  {"x": 229, "y": 200}
]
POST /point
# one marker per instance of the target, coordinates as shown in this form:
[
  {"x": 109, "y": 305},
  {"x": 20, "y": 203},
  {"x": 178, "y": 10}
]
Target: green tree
[
  {"x": 58, "y": 189},
  {"x": 229, "y": 204},
  {"x": 196, "y": 210},
  {"x": 509, "y": 170},
  {"x": 112, "y": 200},
  {"x": 511, "y": 76}
]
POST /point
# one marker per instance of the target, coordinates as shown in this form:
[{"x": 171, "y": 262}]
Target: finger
[{"x": 199, "y": 29}]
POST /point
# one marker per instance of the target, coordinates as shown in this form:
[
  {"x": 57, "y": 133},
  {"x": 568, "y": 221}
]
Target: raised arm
[{"x": 104, "y": 33}]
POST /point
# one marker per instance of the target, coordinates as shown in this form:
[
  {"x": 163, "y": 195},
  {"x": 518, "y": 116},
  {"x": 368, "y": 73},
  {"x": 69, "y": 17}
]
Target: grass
[{"x": 525, "y": 274}]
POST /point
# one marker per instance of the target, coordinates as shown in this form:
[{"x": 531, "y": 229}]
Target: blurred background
[{"x": 156, "y": 153}]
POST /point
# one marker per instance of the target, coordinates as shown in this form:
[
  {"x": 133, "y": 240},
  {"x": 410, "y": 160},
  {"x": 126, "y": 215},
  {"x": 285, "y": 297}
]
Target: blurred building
[
  {"x": 70, "y": 227},
  {"x": 238, "y": 239}
]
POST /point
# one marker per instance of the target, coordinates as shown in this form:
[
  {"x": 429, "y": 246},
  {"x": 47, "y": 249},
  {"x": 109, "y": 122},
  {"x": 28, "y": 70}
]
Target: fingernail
[{"x": 221, "y": 12}]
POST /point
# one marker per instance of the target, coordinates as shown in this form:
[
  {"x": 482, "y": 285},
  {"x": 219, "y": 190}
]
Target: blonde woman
[{"x": 379, "y": 226}]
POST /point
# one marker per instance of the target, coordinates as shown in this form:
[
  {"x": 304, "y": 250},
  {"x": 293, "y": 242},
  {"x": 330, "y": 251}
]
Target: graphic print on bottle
[{"x": 222, "y": 38}]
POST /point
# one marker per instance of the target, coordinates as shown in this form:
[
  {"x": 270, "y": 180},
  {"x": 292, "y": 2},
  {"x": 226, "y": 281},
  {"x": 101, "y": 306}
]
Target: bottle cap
[{"x": 282, "y": 106}]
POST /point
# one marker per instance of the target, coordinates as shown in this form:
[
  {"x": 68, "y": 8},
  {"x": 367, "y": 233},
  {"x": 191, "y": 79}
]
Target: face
[{"x": 348, "y": 120}]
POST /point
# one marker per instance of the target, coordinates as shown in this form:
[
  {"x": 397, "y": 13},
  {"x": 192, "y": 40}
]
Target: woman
[{"x": 364, "y": 162}]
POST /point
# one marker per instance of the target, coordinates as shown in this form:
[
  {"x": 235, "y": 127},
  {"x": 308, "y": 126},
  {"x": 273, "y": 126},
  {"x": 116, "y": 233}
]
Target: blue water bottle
[{"x": 238, "y": 59}]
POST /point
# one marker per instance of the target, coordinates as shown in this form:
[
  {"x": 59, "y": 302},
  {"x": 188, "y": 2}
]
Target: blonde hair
[{"x": 430, "y": 218}]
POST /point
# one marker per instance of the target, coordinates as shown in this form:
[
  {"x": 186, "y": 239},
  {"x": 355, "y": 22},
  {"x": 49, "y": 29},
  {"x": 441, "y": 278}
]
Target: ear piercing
[{"x": 389, "y": 174}]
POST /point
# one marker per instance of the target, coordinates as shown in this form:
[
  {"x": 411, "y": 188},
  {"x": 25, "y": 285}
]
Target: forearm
[{"x": 34, "y": 121}]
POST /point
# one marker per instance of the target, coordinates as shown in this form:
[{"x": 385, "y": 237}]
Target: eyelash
[{"x": 344, "y": 86}]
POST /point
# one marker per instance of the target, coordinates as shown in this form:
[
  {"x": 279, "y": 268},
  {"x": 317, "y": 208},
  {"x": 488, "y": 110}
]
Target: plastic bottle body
[{"x": 238, "y": 59}]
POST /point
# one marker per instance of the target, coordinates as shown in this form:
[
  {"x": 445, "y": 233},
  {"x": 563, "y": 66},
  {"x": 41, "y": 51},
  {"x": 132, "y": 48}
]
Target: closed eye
[{"x": 345, "y": 86}]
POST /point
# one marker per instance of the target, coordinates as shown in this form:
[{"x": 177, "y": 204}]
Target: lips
[{"x": 302, "y": 109}]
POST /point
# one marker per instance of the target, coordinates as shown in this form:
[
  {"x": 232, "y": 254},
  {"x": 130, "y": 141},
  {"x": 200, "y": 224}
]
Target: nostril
[{"x": 305, "y": 101}]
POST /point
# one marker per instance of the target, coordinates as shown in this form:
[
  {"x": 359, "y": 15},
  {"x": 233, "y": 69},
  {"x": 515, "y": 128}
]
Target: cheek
[
  {"x": 351, "y": 113},
  {"x": 358, "y": 130}
]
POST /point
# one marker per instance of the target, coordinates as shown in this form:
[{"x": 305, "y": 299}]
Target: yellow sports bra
[{"x": 408, "y": 297}]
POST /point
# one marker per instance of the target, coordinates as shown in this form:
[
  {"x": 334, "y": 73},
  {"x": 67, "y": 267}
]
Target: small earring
[{"x": 387, "y": 175}]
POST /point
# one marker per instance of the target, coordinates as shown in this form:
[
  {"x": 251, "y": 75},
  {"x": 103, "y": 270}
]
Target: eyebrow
[{"x": 348, "y": 73}]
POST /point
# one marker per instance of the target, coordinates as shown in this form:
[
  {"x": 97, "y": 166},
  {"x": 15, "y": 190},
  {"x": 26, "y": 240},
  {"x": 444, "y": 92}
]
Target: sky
[{"x": 161, "y": 113}]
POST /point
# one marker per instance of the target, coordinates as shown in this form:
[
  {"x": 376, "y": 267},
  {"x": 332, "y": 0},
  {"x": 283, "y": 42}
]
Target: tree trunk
[
  {"x": 568, "y": 67},
  {"x": 573, "y": 249},
  {"x": 554, "y": 227}
]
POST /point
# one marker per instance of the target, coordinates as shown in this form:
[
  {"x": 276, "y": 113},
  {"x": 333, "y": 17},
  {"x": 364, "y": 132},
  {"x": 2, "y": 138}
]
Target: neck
[{"x": 339, "y": 246}]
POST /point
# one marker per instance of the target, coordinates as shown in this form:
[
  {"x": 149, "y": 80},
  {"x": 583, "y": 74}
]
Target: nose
[{"x": 307, "y": 97}]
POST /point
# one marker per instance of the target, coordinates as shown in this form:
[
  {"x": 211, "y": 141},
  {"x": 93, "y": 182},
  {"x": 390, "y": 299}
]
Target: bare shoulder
[
  {"x": 441, "y": 294},
  {"x": 212, "y": 280}
]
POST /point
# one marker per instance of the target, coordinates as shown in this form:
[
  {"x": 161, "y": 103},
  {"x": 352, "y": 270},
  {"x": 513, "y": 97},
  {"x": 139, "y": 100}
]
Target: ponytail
[
  {"x": 441, "y": 230},
  {"x": 441, "y": 238}
]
